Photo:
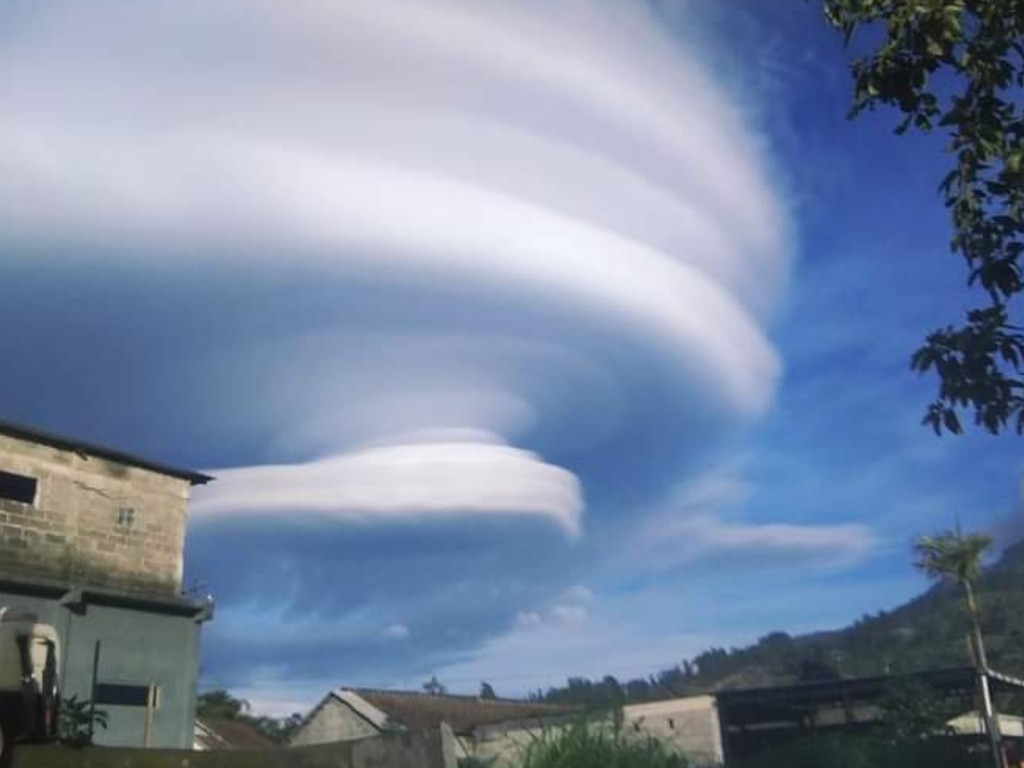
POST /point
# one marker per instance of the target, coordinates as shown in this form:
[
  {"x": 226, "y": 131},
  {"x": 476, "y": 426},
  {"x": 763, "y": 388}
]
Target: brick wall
[{"x": 94, "y": 522}]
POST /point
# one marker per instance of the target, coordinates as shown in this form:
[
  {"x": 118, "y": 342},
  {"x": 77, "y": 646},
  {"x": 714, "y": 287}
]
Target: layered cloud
[
  {"x": 696, "y": 539},
  {"x": 445, "y": 478},
  {"x": 699, "y": 527},
  {"x": 569, "y": 162},
  {"x": 433, "y": 280}
]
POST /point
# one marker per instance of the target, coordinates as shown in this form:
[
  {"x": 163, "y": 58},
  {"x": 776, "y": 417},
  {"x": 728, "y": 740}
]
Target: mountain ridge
[{"x": 928, "y": 631}]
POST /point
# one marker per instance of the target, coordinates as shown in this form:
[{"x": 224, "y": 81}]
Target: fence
[{"x": 422, "y": 749}]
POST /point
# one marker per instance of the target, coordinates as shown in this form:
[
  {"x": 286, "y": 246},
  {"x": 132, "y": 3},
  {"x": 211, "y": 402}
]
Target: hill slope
[{"x": 927, "y": 632}]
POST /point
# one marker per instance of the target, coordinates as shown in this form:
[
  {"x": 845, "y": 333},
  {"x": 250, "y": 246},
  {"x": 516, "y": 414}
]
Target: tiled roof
[
  {"x": 413, "y": 709},
  {"x": 217, "y": 733}
]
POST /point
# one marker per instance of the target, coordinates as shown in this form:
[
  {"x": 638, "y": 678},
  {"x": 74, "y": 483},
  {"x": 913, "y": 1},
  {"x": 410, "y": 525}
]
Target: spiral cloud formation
[
  {"x": 392, "y": 262},
  {"x": 559, "y": 157}
]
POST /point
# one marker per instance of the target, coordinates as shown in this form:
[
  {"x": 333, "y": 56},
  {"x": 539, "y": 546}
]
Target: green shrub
[
  {"x": 583, "y": 746},
  {"x": 77, "y": 720}
]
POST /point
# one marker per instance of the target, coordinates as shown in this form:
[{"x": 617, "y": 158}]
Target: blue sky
[{"x": 526, "y": 340}]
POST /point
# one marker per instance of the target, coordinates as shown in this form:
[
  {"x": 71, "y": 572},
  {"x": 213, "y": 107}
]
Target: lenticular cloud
[
  {"x": 404, "y": 481},
  {"x": 562, "y": 168}
]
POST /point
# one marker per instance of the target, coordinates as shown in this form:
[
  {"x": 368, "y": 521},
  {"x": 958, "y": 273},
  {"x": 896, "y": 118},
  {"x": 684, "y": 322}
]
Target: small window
[
  {"x": 17, "y": 487},
  {"x": 121, "y": 695}
]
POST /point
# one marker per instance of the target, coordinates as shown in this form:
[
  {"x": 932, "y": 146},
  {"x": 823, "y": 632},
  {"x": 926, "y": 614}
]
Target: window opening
[{"x": 17, "y": 487}]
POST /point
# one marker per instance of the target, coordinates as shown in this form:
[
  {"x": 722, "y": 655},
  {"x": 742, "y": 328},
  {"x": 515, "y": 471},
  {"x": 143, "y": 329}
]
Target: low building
[
  {"x": 688, "y": 726},
  {"x": 498, "y": 730},
  {"x": 217, "y": 733},
  {"x": 484, "y": 728},
  {"x": 91, "y": 541},
  {"x": 754, "y": 719}
]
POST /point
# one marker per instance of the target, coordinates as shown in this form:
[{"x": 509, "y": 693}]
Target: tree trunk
[{"x": 981, "y": 667}]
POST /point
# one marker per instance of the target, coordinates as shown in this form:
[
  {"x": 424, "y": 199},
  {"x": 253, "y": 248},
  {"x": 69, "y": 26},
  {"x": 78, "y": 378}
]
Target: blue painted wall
[{"x": 139, "y": 645}]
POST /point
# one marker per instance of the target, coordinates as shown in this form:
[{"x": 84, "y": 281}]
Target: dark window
[
  {"x": 17, "y": 487},
  {"x": 122, "y": 695}
]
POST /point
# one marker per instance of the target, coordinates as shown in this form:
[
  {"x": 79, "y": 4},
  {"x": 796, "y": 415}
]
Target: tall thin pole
[
  {"x": 95, "y": 685},
  {"x": 991, "y": 722},
  {"x": 981, "y": 666}
]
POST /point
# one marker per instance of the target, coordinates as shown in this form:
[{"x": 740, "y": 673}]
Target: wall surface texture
[
  {"x": 687, "y": 725},
  {"x": 94, "y": 522},
  {"x": 333, "y": 722},
  {"x": 97, "y": 553},
  {"x": 137, "y": 647},
  {"x": 427, "y": 749}
]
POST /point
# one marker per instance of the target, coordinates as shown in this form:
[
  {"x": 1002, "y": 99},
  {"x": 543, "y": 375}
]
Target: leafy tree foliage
[
  {"x": 487, "y": 691},
  {"x": 815, "y": 668},
  {"x": 435, "y": 687},
  {"x": 956, "y": 556},
  {"x": 77, "y": 721},
  {"x": 581, "y": 746},
  {"x": 957, "y": 66},
  {"x": 221, "y": 705},
  {"x": 912, "y": 711}
]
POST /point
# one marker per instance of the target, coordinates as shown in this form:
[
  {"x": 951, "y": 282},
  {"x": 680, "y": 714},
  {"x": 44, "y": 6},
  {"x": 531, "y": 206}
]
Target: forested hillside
[{"x": 929, "y": 631}]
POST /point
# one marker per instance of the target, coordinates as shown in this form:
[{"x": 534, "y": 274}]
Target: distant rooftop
[
  {"x": 221, "y": 733},
  {"x": 80, "y": 446},
  {"x": 414, "y": 709},
  {"x": 819, "y": 691}
]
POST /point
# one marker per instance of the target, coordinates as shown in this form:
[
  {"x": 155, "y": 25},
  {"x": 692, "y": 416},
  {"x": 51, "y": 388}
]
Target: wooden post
[{"x": 147, "y": 739}]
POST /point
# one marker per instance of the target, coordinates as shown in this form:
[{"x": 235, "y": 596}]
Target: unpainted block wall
[
  {"x": 689, "y": 726},
  {"x": 333, "y": 722},
  {"x": 72, "y": 532}
]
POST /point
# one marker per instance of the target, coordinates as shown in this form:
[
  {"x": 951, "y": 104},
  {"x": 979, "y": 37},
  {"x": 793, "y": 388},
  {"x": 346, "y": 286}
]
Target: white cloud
[
  {"x": 570, "y": 608},
  {"x": 569, "y": 614},
  {"x": 668, "y": 543},
  {"x": 578, "y": 594},
  {"x": 525, "y": 223},
  {"x": 698, "y": 523},
  {"x": 570, "y": 155},
  {"x": 528, "y": 619},
  {"x": 263, "y": 703},
  {"x": 396, "y": 632},
  {"x": 401, "y": 482}
]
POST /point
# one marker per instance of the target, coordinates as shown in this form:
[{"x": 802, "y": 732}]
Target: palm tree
[{"x": 954, "y": 556}]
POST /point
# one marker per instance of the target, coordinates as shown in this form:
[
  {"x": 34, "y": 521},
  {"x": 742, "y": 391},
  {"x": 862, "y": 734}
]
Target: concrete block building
[
  {"x": 497, "y": 731},
  {"x": 688, "y": 726},
  {"x": 493, "y": 730},
  {"x": 91, "y": 540}
]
